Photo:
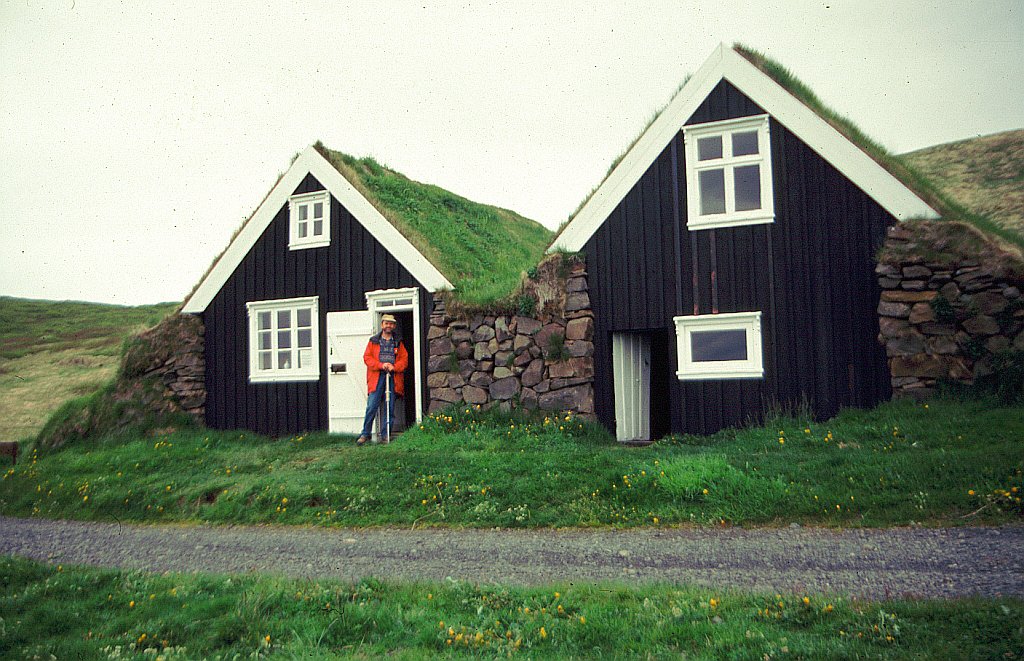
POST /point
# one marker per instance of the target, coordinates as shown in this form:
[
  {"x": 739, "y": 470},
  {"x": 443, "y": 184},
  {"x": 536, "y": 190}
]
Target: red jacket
[{"x": 371, "y": 358}]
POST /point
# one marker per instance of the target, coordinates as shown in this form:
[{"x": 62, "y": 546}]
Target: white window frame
[
  {"x": 728, "y": 163},
  {"x": 309, "y": 371},
  {"x": 307, "y": 201},
  {"x": 751, "y": 368}
]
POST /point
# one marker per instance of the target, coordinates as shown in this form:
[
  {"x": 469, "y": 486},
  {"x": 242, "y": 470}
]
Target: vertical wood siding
[
  {"x": 811, "y": 273},
  {"x": 339, "y": 274}
]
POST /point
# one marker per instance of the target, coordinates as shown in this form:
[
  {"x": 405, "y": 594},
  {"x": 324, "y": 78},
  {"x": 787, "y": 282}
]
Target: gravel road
[{"x": 867, "y": 563}]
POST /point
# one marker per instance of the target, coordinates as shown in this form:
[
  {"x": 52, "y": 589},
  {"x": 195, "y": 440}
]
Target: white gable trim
[
  {"x": 819, "y": 135},
  {"x": 311, "y": 162}
]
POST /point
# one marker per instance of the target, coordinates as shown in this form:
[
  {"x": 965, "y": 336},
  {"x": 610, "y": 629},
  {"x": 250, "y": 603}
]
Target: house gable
[
  {"x": 728, "y": 65},
  {"x": 311, "y": 163}
]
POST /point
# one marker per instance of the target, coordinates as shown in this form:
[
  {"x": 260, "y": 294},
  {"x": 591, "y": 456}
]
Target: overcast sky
[{"x": 135, "y": 137}]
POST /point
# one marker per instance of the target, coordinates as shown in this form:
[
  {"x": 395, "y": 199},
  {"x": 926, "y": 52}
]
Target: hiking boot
[{"x": 361, "y": 441}]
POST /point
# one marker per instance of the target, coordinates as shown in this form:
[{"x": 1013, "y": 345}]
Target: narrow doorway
[{"x": 405, "y": 409}]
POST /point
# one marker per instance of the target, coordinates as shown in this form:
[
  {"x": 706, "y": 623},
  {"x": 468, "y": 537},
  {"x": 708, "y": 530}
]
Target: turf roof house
[
  {"x": 289, "y": 305},
  {"x": 731, "y": 258}
]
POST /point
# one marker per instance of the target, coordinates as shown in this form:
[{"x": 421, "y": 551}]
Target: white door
[
  {"x": 631, "y": 369},
  {"x": 347, "y": 333}
]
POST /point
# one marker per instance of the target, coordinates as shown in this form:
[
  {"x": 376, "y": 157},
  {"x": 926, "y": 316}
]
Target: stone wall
[
  {"x": 171, "y": 355},
  {"x": 944, "y": 312},
  {"x": 541, "y": 361}
]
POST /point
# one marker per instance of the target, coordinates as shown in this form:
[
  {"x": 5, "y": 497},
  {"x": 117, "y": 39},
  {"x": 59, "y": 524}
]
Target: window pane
[
  {"x": 284, "y": 360},
  {"x": 718, "y": 345},
  {"x": 747, "y": 181},
  {"x": 263, "y": 320},
  {"x": 264, "y": 340},
  {"x": 303, "y": 317},
  {"x": 303, "y": 212},
  {"x": 284, "y": 319},
  {"x": 318, "y": 210},
  {"x": 709, "y": 148},
  {"x": 744, "y": 143},
  {"x": 712, "y": 192},
  {"x": 284, "y": 339},
  {"x": 302, "y": 230},
  {"x": 404, "y": 301},
  {"x": 266, "y": 360},
  {"x": 305, "y": 356},
  {"x": 305, "y": 338},
  {"x": 318, "y": 227}
]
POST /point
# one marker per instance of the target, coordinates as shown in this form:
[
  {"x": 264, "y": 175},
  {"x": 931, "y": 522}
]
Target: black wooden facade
[
  {"x": 810, "y": 273},
  {"x": 339, "y": 274}
]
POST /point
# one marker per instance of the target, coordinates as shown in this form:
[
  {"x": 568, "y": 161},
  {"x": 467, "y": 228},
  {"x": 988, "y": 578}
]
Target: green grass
[
  {"x": 30, "y": 326},
  {"x": 53, "y": 351},
  {"x": 481, "y": 249},
  {"x": 74, "y": 612},
  {"x": 944, "y": 462}
]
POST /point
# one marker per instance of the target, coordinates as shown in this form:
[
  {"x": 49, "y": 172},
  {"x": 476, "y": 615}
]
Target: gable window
[
  {"x": 719, "y": 346},
  {"x": 309, "y": 220},
  {"x": 284, "y": 340},
  {"x": 728, "y": 173}
]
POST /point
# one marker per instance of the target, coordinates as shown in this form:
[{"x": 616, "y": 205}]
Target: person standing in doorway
[{"x": 386, "y": 360}]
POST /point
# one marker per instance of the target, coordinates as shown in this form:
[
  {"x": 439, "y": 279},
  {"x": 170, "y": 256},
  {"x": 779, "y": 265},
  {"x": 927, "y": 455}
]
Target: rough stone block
[
  {"x": 918, "y": 365},
  {"x": 989, "y": 302},
  {"x": 576, "y": 284},
  {"x": 528, "y": 399},
  {"x": 950, "y": 291},
  {"x": 437, "y": 380},
  {"x": 527, "y": 325},
  {"x": 521, "y": 343},
  {"x": 892, "y": 327},
  {"x": 481, "y": 379},
  {"x": 437, "y": 364},
  {"x": 580, "y": 348},
  {"x": 481, "y": 351},
  {"x": 474, "y": 395},
  {"x": 560, "y": 370},
  {"x": 914, "y": 285},
  {"x": 908, "y": 296},
  {"x": 582, "y": 367},
  {"x": 460, "y": 335},
  {"x": 917, "y": 272},
  {"x": 435, "y": 332},
  {"x": 534, "y": 373},
  {"x": 935, "y": 328},
  {"x": 580, "y": 329},
  {"x": 997, "y": 343},
  {"x": 442, "y": 346},
  {"x": 910, "y": 344},
  {"x": 483, "y": 334},
  {"x": 577, "y": 301},
  {"x": 504, "y": 389},
  {"x": 501, "y": 330},
  {"x": 577, "y": 398},
  {"x": 921, "y": 312},
  {"x": 522, "y": 359},
  {"x": 502, "y": 372},
  {"x": 893, "y": 309},
  {"x": 543, "y": 386},
  {"x": 464, "y": 350},
  {"x": 941, "y": 345},
  {"x": 448, "y": 395}
]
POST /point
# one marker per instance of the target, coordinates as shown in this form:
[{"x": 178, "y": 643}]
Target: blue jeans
[{"x": 373, "y": 403}]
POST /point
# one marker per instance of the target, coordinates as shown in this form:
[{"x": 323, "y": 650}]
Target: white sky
[{"x": 136, "y": 136}]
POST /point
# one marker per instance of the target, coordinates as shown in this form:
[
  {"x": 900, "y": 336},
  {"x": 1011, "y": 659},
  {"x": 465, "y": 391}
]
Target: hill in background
[{"x": 984, "y": 174}]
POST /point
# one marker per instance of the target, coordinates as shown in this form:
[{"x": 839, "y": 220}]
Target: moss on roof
[
  {"x": 912, "y": 178},
  {"x": 481, "y": 249}
]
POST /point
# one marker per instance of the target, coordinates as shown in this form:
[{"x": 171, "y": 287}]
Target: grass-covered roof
[
  {"x": 481, "y": 249},
  {"x": 911, "y": 177}
]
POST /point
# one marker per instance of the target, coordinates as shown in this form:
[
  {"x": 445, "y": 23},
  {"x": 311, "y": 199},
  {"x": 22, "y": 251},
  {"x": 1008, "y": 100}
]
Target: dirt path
[{"x": 865, "y": 563}]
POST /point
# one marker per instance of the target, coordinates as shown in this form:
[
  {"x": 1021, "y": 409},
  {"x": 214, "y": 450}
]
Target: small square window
[
  {"x": 719, "y": 346},
  {"x": 728, "y": 173},
  {"x": 309, "y": 220},
  {"x": 284, "y": 340}
]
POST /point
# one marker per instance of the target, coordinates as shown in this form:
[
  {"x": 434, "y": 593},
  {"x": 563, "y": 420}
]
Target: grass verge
[
  {"x": 944, "y": 462},
  {"x": 73, "y": 612}
]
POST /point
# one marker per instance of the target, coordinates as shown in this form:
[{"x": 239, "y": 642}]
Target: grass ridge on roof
[
  {"x": 482, "y": 249},
  {"x": 945, "y": 205}
]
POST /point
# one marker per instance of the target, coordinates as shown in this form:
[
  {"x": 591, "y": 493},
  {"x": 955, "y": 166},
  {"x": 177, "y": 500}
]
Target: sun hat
[{"x": 388, "y": 317}]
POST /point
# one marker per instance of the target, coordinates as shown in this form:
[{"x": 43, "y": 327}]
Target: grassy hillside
[
  {"x": 51, "y": 351},
  {"x": 480, "y": 248},
  {"x": 985, "y": 174}
]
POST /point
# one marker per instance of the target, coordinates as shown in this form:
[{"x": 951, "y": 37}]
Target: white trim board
[
  {"x": 311, "y": 162},
  {"x": 726, "y": 64}
]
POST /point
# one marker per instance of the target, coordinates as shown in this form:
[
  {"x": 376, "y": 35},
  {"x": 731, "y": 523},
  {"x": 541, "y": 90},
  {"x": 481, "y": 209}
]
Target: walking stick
[{"x": 387, "y": 406}]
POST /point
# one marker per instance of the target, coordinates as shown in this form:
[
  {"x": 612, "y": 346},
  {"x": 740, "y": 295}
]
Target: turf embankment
[{"x": 943, "y": 462}]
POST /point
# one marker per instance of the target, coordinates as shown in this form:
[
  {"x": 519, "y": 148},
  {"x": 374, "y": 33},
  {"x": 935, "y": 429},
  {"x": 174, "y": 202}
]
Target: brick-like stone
[
  {"x": 502, "y": 372},
  {"x": 481, "y": 351},
  {"x": 921, "y": 312},
  {"x": 528, "y": 399},
  {"x": 950, "y": 291},
  {"x": 445, "y": 394},
  {"x": 442, "y": 346},
  {"x": 887, "y": 270},
  {"x": 435, "y": 332},
  {"x": 910, "y": 344},
  {"x": 543, "y": 336},
  {"x": 892, "y": 327},
  {"x": 521, "y": 343},
  {"x": 942, "y": 345},
  {"x": 576, "y": 284},
  {"x": 997, "y": 343},
  {"x": 460, "y": 335},
  {"x": 437, "y": 380},
  {"x": 893, "y": 309},
  {"x": 464, "y": 350},
  {"x": 438, "y": 364},
  {"x": 981, "y": 325},
  {"x": 481, "y": 379},
  {"x": 935, "y": 328},
  {"x": 989, "y": 302},
  {"x": 456, "y": 380},
  {"x": 919, "y": 366},
  {"x": 522, "y": 359},
  {"x": 543, "y": 386},
  {"x": 560, "y": 370},
  {"x": 582, "y": 367},
  {"x": 503, "y": 389},
  {"x": 580, "y": 348},
  {"x": 580, "y": 329},
  {"x": 917, "y": 272},
  {"x": 908, "y": 296},
  {"x": 503, "y": 358},
  {"x": 914, "y": 285}
]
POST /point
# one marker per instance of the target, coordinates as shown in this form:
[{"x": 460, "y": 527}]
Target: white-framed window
[
  {"x": 284, "y": 340},
  {"x": 719, "y": 346},
  {"x": 729, "y": 173},
  {"x": 309, "y": 220}
]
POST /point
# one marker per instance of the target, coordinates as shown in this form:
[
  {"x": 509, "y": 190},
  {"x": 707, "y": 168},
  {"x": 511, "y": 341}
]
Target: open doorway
[{"x": 405, "y": 409}]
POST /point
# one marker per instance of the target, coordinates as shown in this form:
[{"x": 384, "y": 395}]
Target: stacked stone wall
[
  {"x": 543, "y": 361},
  {"x": 166, "y": 368},
  {"x": 942, "y": 318}
]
